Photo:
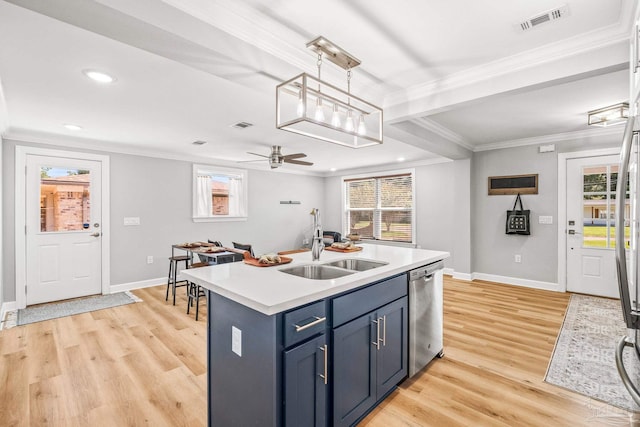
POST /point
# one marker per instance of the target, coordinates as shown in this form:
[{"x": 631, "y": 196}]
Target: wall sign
[{"x": 513, "y": 184}]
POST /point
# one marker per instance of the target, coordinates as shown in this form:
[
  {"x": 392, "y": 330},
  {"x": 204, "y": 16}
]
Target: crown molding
[
  {"x": 93, "y": 145},
  {"x": 389, "y": 166},
  {"x": 442, "y": 131},
  {"x": 547, "y": 139},
  {"x": 583, "y": 43}
]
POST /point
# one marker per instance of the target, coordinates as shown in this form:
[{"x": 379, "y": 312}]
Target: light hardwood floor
[{"x": 145, "y": 364}]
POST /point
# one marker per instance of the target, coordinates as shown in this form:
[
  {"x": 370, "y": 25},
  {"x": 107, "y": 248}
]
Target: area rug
[
  {"x": 69, "y": 308},
  {"x": 583, "y": 359}
]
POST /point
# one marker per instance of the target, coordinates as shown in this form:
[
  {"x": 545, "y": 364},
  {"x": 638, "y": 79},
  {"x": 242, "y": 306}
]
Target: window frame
[
  {"x": 378, "y": 208},
  {"x": 221, "y": 171}
]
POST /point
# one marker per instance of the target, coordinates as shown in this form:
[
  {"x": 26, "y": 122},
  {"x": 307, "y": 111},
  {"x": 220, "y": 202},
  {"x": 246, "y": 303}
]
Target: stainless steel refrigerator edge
[
  {"x": 425, "y": 315},
  {"x": 628, "y": 274}
]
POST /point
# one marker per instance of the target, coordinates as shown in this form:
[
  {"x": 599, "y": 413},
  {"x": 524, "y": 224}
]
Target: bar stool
[
  {"x": 195, "y": 291},
  {"x": 173, "y": 274}
]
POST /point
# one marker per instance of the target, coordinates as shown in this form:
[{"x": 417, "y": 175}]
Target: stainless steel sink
[
  {"x": 317, "y": 271},
  {"x": 356, "y": 264}
]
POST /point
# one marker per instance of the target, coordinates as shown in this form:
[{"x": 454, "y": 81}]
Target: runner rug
[{"x": 583, "y": 359}]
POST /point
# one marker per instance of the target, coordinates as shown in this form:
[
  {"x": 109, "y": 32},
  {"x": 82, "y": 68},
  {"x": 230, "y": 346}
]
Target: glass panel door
[{"x": 65, "y": 199}]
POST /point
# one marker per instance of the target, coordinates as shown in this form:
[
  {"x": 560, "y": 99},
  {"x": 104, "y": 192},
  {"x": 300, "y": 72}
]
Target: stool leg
[
  {"x": 175, "y": 277},
  {"x": 169, "y": 279},
  {"x": 197, "y": 302}
]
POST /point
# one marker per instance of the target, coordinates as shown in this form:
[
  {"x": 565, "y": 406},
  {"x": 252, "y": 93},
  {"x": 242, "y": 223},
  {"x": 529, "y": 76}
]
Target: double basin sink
[{"x": 332, "y": 270}]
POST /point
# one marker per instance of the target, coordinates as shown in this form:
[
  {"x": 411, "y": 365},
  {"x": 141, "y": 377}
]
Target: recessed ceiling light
[
  {"x": 199, "y": 142},
  {"x": 99, "y": 76},
  {"x": 333, "y": 169},
  {"x": 400, "y": 159},
  {"x": 72, "y": 127}
]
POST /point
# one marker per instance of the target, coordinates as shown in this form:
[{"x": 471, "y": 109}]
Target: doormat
[
  {"x": 77, "y": 306},
  {"x": 583, "y": 359}
]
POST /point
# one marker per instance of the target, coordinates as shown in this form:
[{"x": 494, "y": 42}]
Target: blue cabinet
[
  {"x": 370, "y": 359},
  {"x": 306, "y": 384},
  {"x": 326, "y": 363}
]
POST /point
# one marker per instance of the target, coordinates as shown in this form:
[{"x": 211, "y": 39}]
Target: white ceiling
[{"x": 453, "y": 77}]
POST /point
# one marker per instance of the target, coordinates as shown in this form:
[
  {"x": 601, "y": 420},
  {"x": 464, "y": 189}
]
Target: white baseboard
[
  {"x": 137, "y": 285},
  {"x": 536, "y": 284},
  {"x": 7, "y": 306}
]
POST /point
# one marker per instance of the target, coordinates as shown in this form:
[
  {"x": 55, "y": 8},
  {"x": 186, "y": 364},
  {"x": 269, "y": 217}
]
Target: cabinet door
[
  {"x": 392, "y": 356},
  {"x": 354, "y": 359},
  {"x": 305, "y": 390}
]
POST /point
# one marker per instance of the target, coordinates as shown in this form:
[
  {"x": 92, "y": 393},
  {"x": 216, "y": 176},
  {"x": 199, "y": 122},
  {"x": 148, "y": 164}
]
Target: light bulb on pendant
[
  {"x": 335, "y": 117},
  {"x": 361, "y": 127},
  {"x": 300, "y": 109},
  {"x": 319, "y": 114},
  {"x": 348, "y": 123}
]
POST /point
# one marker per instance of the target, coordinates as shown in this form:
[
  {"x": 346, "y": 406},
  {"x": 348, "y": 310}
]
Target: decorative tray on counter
[
  {"x": 255, "y": 262},
  {"x": 345, "y": 250},
  {"x": 248, "y": 259}
]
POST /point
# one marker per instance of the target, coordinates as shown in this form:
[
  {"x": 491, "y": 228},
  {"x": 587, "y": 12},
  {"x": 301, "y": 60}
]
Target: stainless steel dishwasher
[{"x": 425, "y": 315}]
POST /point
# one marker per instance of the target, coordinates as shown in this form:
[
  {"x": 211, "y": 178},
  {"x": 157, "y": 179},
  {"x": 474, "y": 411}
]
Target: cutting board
[
  {"x": 256, "y": 263},
  {"x": 356, "y": 249}
]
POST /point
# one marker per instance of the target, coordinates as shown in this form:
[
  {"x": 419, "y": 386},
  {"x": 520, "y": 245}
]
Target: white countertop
[{"x": 270, "y": 291}]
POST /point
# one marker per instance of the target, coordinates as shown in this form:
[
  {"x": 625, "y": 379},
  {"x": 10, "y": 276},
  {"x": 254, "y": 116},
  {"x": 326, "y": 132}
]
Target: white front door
[
  {"x": 63, "y": 228},
  {"x": 591, "y": 227}
]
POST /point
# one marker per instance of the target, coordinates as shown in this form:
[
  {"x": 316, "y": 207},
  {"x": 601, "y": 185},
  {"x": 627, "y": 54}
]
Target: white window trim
[
  {"x": 343, "y": 214},
  {"x": 221, "y": 171}
]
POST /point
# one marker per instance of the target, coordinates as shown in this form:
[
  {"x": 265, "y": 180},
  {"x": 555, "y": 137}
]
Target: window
[
  {"x": 380, "y": 207},
  {"x": 219, "y": 194},
  {"x": 598, "y": 207}
]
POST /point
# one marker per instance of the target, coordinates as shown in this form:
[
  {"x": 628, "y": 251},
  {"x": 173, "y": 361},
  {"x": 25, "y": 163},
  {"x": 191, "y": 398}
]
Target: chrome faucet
[{"x": 317, "y": 244}]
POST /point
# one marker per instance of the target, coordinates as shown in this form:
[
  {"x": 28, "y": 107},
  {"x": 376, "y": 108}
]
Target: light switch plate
[
  {"x": 236, "y": 341},
  {"x": 545, "y": 219},
  {"x": 131, "y": 220}
]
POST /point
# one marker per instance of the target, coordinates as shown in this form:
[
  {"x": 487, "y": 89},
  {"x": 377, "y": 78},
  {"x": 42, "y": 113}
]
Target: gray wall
[
  {"x": 159, "y": 192},
  {"x": 492, "y": 251}
]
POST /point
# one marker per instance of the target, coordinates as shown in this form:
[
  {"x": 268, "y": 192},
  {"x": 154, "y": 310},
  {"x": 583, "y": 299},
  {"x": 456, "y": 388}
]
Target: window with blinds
[{"x": 380, "y": 207}]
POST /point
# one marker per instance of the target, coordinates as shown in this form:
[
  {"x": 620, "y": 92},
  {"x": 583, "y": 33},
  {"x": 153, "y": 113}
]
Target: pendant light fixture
[{"x": 310, "y": 106}]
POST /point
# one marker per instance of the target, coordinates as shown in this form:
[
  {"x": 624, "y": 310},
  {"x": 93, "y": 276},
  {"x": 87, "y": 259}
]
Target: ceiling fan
[{"x": 276, "y": 158}]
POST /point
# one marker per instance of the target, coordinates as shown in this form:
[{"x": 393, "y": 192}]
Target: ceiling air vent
[
  {"x": 541, "y": 18},
  {"x": 241, "y": 125}
]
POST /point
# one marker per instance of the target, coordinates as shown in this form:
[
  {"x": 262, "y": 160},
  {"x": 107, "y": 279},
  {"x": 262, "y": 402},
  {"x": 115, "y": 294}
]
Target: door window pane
[
  {"x": 65, "y": 199},
  {"x": 599, "y": 225}
]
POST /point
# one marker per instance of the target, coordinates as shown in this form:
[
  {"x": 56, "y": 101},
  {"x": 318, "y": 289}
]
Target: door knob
[{"x": 96, "y": 234}]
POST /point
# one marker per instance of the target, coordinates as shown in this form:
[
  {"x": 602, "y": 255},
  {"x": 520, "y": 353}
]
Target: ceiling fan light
[{"x": 609, "y": 116}]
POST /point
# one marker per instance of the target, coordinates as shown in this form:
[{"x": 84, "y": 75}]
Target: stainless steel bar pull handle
[
  {"x": 384, "y": 330},
  {"x": 310, "y": 324},
  {"x": 377, "y": 341},
  {"x": 325, "y": 375}
]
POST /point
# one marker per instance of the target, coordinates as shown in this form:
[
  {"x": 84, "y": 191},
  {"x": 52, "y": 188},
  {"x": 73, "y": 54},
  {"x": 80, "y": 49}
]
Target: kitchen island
[{"x": 287, "y": 350}]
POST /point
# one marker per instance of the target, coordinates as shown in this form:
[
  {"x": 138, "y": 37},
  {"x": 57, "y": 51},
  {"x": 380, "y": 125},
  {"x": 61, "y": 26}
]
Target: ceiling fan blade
[
  {"x": 298, "y": 162},
  {"x": 294, "y": 156},
  {"x": 256, "y": 154}
]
